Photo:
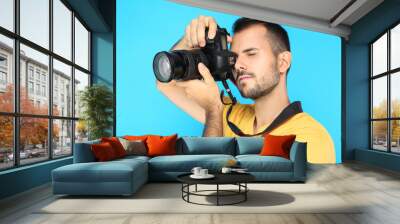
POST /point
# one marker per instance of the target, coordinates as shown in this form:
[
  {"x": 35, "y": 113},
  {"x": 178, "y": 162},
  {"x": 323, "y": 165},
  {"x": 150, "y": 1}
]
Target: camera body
[{"x": 182, "y": 64}]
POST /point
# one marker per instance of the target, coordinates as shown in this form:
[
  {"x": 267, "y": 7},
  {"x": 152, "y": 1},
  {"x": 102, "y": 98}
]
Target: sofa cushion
[
  {"x": 257, "y": 163},
  {"x": 206, "y": 145},
  {"x": 134, "y": 147},
  {"x": 116, "y": 145},
  {"x": 111, "y": 171},
  {"x": 249, "y": 145},
  {"x": 277, "y": 145},
  {"x": 185, "y": 163},
  {"x": 103, "y": 151},
  {"x": 161, "y": 145}
]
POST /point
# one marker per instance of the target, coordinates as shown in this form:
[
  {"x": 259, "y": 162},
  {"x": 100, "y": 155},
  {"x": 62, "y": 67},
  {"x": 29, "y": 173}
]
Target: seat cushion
[
  {"x": 185, "y": 163},
  {"x": 257, "y": 163},
  {"x": 112, "y": 171}
]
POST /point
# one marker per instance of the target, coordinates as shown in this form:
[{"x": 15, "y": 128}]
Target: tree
[
  {"x": 33, "y": 130},
  {"x": 380, "y": 127},
  {"x": 97, "y": 104}
]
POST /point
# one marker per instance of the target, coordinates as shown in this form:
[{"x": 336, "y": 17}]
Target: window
[
  {"x": 62, "y": 29},
  {"x": 44, "y": 91},
  {"x": 34, "y": 21},
  {"x": 30, "y": 87},
  {"x": 46, "y": 73},
  {"x": 7, "y": 14},
  {"x": 6, "y": 74},
  {"x": 81, "y": 45},
  {"x": 30, "y": 72},
  {"x": 385, "y": 91}
]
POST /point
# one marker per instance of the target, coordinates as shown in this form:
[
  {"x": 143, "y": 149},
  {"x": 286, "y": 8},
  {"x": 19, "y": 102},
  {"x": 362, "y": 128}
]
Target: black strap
[
  {"x": 291, "y": 110},
  {"x": 228, "y": 90}
]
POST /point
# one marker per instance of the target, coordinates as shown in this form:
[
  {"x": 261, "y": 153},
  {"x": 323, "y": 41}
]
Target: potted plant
[{"x": 96, "y": 102}]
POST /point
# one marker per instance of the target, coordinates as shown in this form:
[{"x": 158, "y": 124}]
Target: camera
[{"x": 182, "y": 64}]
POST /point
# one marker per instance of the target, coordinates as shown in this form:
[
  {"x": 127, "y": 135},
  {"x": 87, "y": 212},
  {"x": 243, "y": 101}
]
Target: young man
[{"x": 260, "y": 73}]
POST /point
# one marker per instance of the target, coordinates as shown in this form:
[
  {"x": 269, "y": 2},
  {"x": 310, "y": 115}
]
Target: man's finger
[
  {"x": 201, "y": 33},
  {"x": 193, "y": 33},
  {"x": 229, "y": 39},
  {"x": 212, "y": 27},
  {"x": 205, "y": 73}
]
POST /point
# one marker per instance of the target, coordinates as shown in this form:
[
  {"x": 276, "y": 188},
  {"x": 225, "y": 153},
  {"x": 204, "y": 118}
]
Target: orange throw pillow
[
  {"x": 277, "y": 145},
  {"x": 116, "y": 145},
  {"x": 103, "y": 151},
  {"x": 161, "y": 145}
]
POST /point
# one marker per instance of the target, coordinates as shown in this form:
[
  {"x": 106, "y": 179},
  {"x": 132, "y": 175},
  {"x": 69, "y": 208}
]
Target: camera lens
[{"x": 162, "y": 67}]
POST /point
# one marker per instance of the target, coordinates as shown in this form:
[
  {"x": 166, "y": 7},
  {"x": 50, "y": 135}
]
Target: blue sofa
[{"x": 126, "y": 175}]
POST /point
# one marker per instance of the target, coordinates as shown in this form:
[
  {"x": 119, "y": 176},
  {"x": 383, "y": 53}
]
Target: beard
[{"x": 262, "y": 87}]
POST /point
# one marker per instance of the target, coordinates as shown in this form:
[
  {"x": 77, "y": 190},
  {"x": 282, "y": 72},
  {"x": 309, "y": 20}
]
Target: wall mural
[{"x": 283, "y": 80}]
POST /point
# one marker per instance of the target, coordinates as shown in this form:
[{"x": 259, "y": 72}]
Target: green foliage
[
  {"x": 97, "y": 104},
  {"x": 380, "y": 127}
]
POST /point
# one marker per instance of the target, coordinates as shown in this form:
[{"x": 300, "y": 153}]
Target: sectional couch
[{"x": 126, "y": 175}]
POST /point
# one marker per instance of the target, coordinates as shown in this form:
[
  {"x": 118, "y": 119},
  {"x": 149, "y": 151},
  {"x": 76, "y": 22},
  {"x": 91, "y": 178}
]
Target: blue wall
[
  {"x": 144, "y": 28},
  {"x": 24, "y": 178},
  {"x": 357, "y": 83}
]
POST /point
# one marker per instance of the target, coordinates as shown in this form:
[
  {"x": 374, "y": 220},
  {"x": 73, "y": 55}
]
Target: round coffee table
[{"x": 238, "y": 179}]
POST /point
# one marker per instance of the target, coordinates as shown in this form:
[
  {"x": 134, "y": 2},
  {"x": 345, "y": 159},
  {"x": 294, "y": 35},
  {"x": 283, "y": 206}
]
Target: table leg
[
  {"x": 217, "y": 194},
  {"x": 245, "y": 193}
]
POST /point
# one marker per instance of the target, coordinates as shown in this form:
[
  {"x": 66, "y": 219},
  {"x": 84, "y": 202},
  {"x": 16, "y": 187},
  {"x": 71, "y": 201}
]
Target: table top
[{"x": 220, "y": 178}]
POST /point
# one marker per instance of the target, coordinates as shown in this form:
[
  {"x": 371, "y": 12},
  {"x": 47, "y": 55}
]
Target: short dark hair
[{"x": 275, "y": 32}]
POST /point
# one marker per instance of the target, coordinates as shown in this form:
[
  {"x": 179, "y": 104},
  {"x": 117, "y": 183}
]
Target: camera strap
[
  {"x": 228, "y": 90},
  {"x": 291, "y": 110}
]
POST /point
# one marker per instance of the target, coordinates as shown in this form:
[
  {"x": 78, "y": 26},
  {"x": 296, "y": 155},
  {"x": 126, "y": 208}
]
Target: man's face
[{"x": 256, "y": 73}]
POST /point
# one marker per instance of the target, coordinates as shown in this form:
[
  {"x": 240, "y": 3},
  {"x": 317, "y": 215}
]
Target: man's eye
[{"x": 251, "y": 54}]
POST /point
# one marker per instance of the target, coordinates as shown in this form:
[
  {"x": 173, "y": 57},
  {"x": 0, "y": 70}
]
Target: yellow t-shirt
[{"x": 320, "y": 147}]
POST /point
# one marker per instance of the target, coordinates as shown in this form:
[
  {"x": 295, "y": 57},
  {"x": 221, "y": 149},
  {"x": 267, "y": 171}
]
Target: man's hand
[
  {"x": 204, "y": 92},
  {"x": 195, "y": 33}
]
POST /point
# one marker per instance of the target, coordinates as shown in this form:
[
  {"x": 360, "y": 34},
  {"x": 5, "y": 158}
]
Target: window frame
[
  {"x": 388, "y": 74},
  {"x": 16, "y": 114}
]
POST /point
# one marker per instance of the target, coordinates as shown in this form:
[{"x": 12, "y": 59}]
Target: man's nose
[{"x": 239, "y": 65}]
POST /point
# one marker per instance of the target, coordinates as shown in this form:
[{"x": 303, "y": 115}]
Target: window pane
[
  {"x": 34, "y": 79},
  {"x": 62, "y": 137},
  {"x": 395, "y": 47},
  {"x": 81, "y": 131},
  {"x": 35, "y": 21},
  {"x": 7, "y": 14},
  {"x": 81, "y": 81},
  {"x": 62, "y": 29},
  {"x": 6, "y": 142},
  {"x": 62, "y": 89},
  {"x": 81, "y": 45},
  {"x": 379, "y": 135},
  {"x": 395, "y": 94},
  {"x": 379, "y": 97},
  {"x": 6, "y": 74},
  {"x": 33, "y": 139},
  {"x": 395, "y": 136},
  {"x": 379, "y": 55}
]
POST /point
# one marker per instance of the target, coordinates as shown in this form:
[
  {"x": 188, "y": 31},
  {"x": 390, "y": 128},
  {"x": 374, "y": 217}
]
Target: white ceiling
[{"x": 327, "y": 16}]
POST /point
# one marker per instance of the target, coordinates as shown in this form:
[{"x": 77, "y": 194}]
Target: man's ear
[{"x": 284, "y": 61}]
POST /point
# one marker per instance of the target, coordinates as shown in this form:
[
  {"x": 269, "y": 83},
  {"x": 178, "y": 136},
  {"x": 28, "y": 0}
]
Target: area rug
[{"x": 167, "y": 198}]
